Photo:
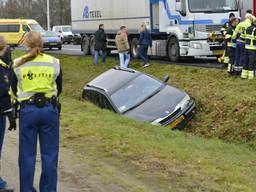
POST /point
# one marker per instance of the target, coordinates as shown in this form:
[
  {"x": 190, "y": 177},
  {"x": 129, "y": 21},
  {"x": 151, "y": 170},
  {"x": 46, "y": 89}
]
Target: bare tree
[{"x": 36, "y": 9}]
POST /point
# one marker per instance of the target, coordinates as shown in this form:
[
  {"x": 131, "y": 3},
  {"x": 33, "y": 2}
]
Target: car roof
[{"x": 113, "y": 79}]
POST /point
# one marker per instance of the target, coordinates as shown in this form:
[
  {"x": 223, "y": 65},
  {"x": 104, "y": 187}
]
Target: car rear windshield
[
  {"x": 13, "y": 28},
  {"x": 135, "y": 92},
  {"x": 48, "y": 34}
]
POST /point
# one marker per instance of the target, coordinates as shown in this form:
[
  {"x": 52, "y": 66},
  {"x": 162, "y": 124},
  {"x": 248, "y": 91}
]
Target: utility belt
[{"x": 40, "y": 101}]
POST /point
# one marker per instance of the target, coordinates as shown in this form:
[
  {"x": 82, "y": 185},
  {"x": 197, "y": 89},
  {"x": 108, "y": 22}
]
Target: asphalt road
[{"x": 197, "y": 62}]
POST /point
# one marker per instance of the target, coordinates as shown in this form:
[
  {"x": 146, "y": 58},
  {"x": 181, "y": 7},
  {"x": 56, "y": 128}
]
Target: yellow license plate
[
  {"x": 176, "y": 122},
  {"x": 53, "y": 43},
  {"x": 218, "y": 52}
]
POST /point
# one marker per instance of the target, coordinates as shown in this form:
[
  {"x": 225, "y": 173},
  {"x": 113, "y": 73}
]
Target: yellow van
[{"x": 14, "y": 29}]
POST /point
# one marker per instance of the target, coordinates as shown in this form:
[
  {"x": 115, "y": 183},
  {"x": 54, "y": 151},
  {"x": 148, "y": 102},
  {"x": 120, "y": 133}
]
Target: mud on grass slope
[{"x": 226, "y": 105}]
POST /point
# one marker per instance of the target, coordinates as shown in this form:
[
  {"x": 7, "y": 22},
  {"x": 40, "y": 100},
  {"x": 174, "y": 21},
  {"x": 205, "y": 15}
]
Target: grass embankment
[{"x": 153, "y": 158}]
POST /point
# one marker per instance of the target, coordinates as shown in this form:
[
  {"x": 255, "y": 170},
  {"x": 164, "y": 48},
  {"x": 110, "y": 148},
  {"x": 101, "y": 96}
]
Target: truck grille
[{"x": 208, "y": 28}]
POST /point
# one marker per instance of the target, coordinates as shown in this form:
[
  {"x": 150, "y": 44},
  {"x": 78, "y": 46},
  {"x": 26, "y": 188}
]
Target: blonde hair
[
  {"x": 143, "y": 27},
  {"x": 249, "y": 16},
  {"x": 3, "y": 45},
  {"x": 34, "y": 42}
]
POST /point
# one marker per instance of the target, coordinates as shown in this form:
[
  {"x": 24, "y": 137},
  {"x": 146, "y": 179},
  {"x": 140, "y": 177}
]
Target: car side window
[
  {"x": 25, "y": 28},
  {"x": 98, "y": 99}
]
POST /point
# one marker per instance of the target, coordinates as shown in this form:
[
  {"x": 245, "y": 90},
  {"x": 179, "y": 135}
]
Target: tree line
[{"x": 37, "y": 9}]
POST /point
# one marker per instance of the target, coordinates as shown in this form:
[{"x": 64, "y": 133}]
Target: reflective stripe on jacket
[
  {"x": 37, "y": 76},
  {"x": 250, "y": 38},
  {"x": 241, "y": 29}
]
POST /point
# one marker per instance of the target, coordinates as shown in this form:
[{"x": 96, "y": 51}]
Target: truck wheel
[
  {"x": 92, "y": 45},
  {"x": 173, "y": 50},
  {"x": 134, "y": 48},
  {"x": 86, "y": 45},
  {"x": 60, "y": 47}
]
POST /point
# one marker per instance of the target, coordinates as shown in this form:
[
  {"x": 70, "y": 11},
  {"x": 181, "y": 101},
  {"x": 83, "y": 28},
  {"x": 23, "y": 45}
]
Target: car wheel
[
  {"x": 173, "y": 49},
  {"x": 92, "y": 45},
  {"x": 86, "y": 45},
  {"x": 60, "y": 47},
  {"x": 50, "y": 48},
  {"x": 135, "y": 48}
]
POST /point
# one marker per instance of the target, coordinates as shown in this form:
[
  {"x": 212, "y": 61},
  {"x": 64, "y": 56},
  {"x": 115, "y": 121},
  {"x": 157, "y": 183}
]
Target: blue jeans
[
  {"x": 143, "y": 53},
  {"x": 42, "y": 123},
  {"x": 124, "y": 59},
  {"x": 96, "y": 56},
  {"x": 2, "y": 132}
]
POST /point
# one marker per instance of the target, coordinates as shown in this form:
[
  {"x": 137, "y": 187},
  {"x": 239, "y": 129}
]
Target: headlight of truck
[
  {"x": 183, "y": 104},
  {"x": 196, "y": 45}
]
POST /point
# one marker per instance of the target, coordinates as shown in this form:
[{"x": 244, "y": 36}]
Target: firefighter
[
  {"x": 225, "y": 57},
  {"x": 37, "y": 83},
  {"x": 239, "y": 36},
  {"x": 231, "y": 44},
  {"x": 250, "y": 47}
]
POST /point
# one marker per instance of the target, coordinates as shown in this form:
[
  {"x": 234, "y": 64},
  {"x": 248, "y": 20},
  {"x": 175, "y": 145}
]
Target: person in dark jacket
[
  {"x": 7, "y": 57},
  {"x": 144, "y": 42},
  {"x": 5, "y": 102},
  {"x": 100, "y": 45}
]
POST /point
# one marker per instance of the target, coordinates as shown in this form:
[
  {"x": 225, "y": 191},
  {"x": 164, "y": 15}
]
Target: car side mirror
[{"x": 166, "y": 78}]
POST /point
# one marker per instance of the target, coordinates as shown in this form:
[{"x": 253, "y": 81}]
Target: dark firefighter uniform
[
  {"x": 231, "y": 48},
  {"x": 6, "y": 110},
  {"x": 239, "y": 36},
  {"x": 250, "y": 46},
  {"x": 37, "y": 84},
  {"x": 224, "y": 32}
]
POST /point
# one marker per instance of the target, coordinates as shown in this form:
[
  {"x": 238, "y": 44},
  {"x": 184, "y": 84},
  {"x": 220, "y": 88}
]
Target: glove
[{"x": 11, "y": 117}]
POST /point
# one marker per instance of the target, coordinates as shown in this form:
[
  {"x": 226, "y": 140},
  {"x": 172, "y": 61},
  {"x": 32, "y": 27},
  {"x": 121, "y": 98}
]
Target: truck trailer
[
  {"x": 248, "y": 5},
  {"x": 179, "y": 28}
]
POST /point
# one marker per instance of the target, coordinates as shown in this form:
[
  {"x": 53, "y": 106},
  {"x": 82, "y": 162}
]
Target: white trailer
[
  {"x": 248, "y": 5},
  {"x": 179, "y": 28}
]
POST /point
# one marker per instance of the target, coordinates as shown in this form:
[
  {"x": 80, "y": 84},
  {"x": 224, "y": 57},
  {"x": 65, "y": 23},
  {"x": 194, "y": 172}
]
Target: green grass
[{"x": 142, "y": 157}]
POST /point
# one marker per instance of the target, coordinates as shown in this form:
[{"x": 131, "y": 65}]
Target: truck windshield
[
  {"x": 66, "y": 29},
  {"x": 214, "y": 6}
]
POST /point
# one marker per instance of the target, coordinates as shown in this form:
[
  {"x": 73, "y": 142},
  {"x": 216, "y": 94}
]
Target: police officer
[
  {"x": 239, "y": 35},
  {"x": 37, "y": 84},
  {"x": 250, "y": 47},
  {"x": 5, "y": 104},
  {"x": 231, "y": 44},
  {"x": 224, "y": 31}
]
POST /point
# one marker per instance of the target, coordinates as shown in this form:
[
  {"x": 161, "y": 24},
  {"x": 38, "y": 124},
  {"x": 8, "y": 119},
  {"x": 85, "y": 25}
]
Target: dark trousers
[
  {"x": 250, "y": 65},
  {"x": 231, "y": 52},
  {"x": 143, "y": 53},
  {"x": 2, "y": 132},
  {"x": 42, "y": 123},
  {"x": 241, "y": 58}
]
